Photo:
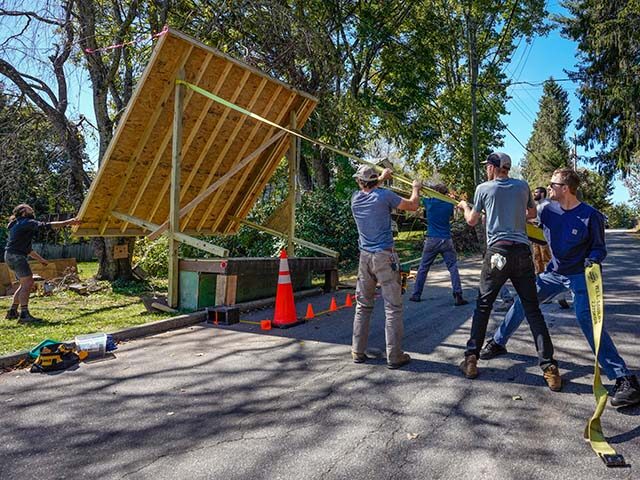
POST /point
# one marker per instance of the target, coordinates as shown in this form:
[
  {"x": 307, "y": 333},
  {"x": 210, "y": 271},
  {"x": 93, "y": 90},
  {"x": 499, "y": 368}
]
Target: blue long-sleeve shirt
[{"x": 573, "y": 235}]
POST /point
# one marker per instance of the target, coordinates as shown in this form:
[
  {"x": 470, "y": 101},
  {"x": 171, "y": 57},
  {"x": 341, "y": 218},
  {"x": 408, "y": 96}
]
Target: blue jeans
[
  {"x": 549, "y": 285},
  {"x": 432, "y": 248}
]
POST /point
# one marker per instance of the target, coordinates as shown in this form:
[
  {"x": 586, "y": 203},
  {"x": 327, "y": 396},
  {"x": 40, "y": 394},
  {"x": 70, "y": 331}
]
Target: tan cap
[{"x": 366, "y": 173}]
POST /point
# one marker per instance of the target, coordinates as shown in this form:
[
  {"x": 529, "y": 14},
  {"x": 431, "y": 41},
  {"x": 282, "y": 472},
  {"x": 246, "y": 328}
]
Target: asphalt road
[{"x": 211, "y": 402}]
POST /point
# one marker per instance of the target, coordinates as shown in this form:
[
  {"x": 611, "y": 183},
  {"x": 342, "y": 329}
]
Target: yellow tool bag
[{"x": 57, "y": 356}]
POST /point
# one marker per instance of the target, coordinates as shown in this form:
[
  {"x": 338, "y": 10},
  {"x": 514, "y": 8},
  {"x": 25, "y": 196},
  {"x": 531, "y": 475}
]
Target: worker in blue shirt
[
  {"x": 438, "y": 242},
  {"x": 575, "y": 233}
]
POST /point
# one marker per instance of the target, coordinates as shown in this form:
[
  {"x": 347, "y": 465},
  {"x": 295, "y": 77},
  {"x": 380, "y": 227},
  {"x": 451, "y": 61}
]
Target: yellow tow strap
[{"x": 593, "y": 431}]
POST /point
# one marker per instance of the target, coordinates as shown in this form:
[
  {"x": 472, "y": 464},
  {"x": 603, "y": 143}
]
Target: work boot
[
  {"x": 469, "y": 366},
  {"x": 401, "y": 361},
  {"x": 492, "y": 350},
  {"x": 458, "y": 300},
  {"x": 359, "y": 357},
  {"x": 12, "y": 314},
  {"x": 626, "y": 392},
  {"x": 552, "y": 376},
  {"x": 415, "y": 298}
]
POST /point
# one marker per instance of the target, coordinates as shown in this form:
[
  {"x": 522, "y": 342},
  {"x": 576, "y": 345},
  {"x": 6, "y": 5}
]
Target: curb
[{"x": 160, "y": 326}]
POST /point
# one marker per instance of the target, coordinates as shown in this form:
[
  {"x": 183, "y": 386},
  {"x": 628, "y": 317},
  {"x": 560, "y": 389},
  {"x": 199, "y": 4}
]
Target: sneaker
[
  {"x": 626, "y": 392},
  {"x": 415, "y": 298},
  {"x": 12, "y": 314},
  {"x": 402, "y": 360},
  {"x": 492, "y": 350},
  {"x": 552, "y": 376},
  {"x": 359, "y": 357},
  {"x": 564, "y": 304},
  {"x": 469, "y": 366},
  {"x": 27, "y": 318},
  {"x": 458, "y": 300}
]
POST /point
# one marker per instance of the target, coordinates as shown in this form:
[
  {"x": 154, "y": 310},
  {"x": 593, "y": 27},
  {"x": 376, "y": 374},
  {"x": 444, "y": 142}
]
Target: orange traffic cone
[
  {"x": 348, "y": 302},
  {"x": 285, "y": 313},
  {"x": 310, "y": 313},
  {"x": 334, "y": 306}
]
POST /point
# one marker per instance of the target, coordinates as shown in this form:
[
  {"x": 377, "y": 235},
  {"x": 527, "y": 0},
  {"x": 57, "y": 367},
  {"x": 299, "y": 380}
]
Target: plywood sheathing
[{"x": 134, "y": 176}]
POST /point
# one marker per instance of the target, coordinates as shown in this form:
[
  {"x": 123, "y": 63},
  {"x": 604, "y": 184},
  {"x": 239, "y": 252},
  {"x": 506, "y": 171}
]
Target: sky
[{"x": 544, "y": 57}]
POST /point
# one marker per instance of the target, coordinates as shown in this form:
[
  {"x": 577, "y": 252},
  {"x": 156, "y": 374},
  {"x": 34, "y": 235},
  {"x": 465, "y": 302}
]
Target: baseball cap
[
  {"x": 499, "y": 159},
  {"x": 366, "y": 173}
]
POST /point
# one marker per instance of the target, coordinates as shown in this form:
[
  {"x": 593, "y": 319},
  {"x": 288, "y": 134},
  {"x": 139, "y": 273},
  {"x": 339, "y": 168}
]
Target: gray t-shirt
[
  {"x": 372, "y": 213},
  {"x": 505, "y": 203}
]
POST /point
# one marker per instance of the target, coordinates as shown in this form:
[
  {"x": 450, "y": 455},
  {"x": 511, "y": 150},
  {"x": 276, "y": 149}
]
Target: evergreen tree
[
  {"x": 547, "y": 148},
  {"x": 608, "y": 38}
]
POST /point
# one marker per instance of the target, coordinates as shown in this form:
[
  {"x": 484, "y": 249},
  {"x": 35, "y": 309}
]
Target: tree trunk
[
  {"x": 321, "y": 170},
  {"x": 111, "y": 268}
]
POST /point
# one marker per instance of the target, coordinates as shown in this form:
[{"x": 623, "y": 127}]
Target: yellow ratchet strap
[{"x": 593, "y": 430}]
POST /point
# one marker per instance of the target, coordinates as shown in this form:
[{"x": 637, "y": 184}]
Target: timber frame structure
[{"x": 219, "y": 160}]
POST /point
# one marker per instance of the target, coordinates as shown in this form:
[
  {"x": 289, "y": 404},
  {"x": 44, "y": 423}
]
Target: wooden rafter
[
  {"x": 218, "y": 183},
  {"x": 151, "y": 126},
  {"x": 225, "y": 207},
  {"x": 182, "y": 237}
]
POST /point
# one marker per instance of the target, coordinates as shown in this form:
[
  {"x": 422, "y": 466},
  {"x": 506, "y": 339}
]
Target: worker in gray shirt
[
  {"x": 507, "y": 204},
  {"x": 371, "y": 206}
]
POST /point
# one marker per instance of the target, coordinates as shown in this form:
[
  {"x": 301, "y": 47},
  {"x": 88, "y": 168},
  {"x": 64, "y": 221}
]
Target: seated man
[{"x": 575, "y": 233}]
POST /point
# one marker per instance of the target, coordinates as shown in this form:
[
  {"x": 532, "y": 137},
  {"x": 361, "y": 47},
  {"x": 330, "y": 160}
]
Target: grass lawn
[{"x": 67, "y": 314}]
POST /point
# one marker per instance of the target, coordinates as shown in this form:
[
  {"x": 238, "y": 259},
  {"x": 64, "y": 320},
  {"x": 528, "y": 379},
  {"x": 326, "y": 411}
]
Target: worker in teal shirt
[{"x": 438, "y": 214}]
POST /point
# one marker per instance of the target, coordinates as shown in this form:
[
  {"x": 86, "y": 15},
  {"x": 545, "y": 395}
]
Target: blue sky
[{"x": 535, "y": 62}]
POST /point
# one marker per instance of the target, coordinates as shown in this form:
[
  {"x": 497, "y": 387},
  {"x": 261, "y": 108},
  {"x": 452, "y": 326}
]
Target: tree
[
  {"x": 547, "y": 148},
  {"x": 48, "y": 91},
  {"x": 471, "y": 41},
  {"x": 113, "y": 74},
  {"x": 608, "y": 37},
  {"x": 31, "y": 161},
  {"x": 632, "y": 182},
  {"x": 595, "y": 189}
]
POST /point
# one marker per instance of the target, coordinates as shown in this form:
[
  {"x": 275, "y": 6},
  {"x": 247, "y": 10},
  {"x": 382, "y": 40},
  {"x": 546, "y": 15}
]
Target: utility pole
[
  {"x": 575, "y": 152},
  {"x": 473, "y": 76}
]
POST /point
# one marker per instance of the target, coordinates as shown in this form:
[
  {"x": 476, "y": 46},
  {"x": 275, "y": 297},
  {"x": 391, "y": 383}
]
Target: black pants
[{"x": 519, "y": 269}]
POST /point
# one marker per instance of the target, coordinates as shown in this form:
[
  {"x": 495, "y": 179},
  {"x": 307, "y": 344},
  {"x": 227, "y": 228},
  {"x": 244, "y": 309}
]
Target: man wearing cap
[
  {"x": 507, "y": 203},
  {"x": 575, "y": 232},
  {"x": 371, "y": 207}
]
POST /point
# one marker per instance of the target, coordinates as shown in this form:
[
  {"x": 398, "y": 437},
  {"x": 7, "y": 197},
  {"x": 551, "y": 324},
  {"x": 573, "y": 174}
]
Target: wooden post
[
  {"x": 174, "y": 198},
  {"x": 293, "y": 174}
]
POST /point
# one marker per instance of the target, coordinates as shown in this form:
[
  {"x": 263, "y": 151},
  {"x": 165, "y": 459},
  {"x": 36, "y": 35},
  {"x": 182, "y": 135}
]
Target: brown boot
[
  {"x": 469, "y": 366},
  {"x": 401, "y": 361},
  {"x": 458, "y": 300},
  {"x": 359, "y": 357},
  {"x": 552, "y": 376}
]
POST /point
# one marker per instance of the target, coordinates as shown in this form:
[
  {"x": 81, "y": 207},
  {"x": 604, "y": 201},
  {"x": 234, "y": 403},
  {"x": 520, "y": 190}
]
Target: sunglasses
[{"x": 555, "y": 184}]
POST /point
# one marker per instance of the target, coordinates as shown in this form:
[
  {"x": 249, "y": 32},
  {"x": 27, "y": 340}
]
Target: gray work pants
[{"x": 383, "y": 268}]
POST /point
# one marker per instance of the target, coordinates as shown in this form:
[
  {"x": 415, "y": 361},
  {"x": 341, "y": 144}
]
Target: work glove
[{"x": 589, "y": 261}]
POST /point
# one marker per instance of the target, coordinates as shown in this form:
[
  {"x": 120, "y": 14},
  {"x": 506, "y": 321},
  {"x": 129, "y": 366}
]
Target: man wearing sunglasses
[
  {"x": 507, "y": 203},
  {"x": 575, "y": 233}
]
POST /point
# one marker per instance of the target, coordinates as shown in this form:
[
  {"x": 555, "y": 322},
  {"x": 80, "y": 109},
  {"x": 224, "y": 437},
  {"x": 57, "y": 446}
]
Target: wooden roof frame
[
  {"x": 216, "y": 154},
  {"x": 227, "y": 158}
]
